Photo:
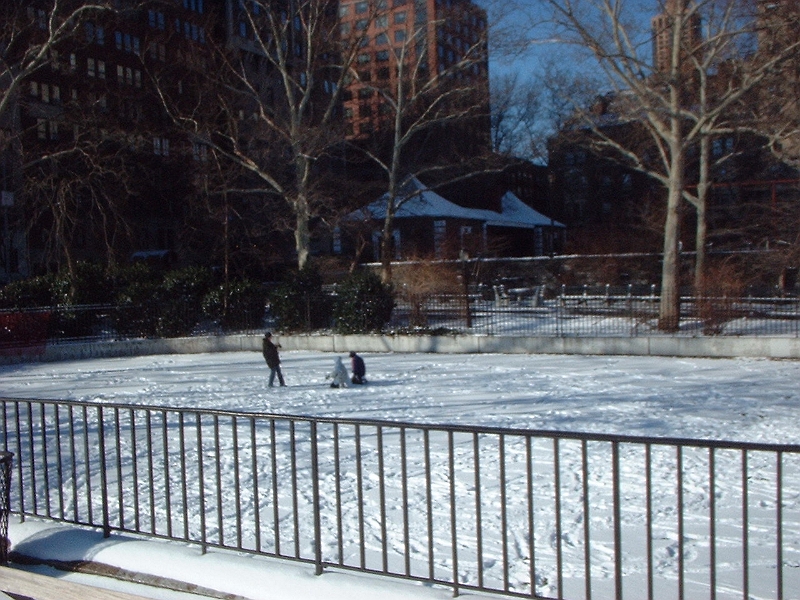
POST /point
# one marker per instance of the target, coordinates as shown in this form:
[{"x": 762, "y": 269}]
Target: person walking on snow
[
  {"x": 270, "y": 351},
  {"x": 358, "y": 367},
  {"x": 339, "y": 374}
]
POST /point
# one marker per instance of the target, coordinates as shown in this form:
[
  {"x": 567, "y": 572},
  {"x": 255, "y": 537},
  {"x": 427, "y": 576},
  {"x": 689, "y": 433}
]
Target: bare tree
[
  {"x": 419, "y": 113},
  {"x": 272, "y": 102},
  {"x": 684, "y": 98},
  {"x": 30, "y": 36}
]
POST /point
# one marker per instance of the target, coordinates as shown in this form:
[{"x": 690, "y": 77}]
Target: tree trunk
[
  {"x": 669, "y": 307},
  {"x": 302, "y": 234},
  {"x": 387, "y": 246}
]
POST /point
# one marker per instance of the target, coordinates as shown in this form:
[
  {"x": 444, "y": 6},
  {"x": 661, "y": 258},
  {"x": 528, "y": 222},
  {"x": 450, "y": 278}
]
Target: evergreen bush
[
  {"x": 363, "y": 304},
  {"x": 242, "y": 307},
  {"x": 136, "y": 301},
  {"x": 299, "y": 304},
  {"x": 180, "y": 300},
  {"x": 36, "y": 292}
]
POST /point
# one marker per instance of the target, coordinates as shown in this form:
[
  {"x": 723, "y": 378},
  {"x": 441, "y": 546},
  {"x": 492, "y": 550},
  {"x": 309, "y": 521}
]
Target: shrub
[
  {"x": 29, "y": 293},
  {"x": 362, "y": 303},
  {"x": 241, "y": 308},
  {"x": 299, "y": 304},
  {"x": 180, "y": 300},
  {"x": 136, "y": 301}
]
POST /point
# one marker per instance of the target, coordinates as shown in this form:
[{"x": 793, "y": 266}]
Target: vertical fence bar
[
  {"x": 101, "y": 448},
  {"x": 382, "y": 501},
  {"x": 87, "y": 464},
  {"x": 779, "y": 520},
  {"x": 587, "y": 554},
  {"x": 453, "y": 510},
  {"x": 184, "y": 477},
  {"x": 73, "y": 461},
  {"x": 118, "y": 457},
  {"x": 712, "y": 518},
  {"x": 360, "y": 493},
  {"x": 615, "y": 474},
  {"x": 316, "y": 500},
  {"x": 557, "y": 516},
  {"x": 531, "y": 513},
  {"x": 337, "y": 478},
  {"x": 32, "y": 461},
  {"x": 134, "y": 471},
  {"x": 648, "y": 476},
  {"x": 60, "y": 459},
  {"x": 18, "y": 454},
  {"x": 681, "y": 554},
  {"x": 45, "y": 466},
  {"x": 218, "y": 482},
  {"x": 150, "y": 470},
  {"x": 167, "y": 487},
  {"x": 275, "y": 506},
  {"x": 476, "y": 453},
  {"x": 237, "y": 492},
  {"x": 256, "y": 495},
  {"x": 503, "y": 509},
  {"x": 404, "y": 496},
  {"x": 426, "y": 443},
  {"x": 201, "y": 482},
  {"x": 295, "y": 498}
]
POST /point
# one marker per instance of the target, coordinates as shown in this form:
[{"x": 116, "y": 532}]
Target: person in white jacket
[{"x": 339, "y": 374}]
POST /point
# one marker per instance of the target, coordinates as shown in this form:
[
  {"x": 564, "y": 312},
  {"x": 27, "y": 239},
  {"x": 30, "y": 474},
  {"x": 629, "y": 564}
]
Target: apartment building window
[
  {"x": 344, "y": 10},
  {"x": 101, "y": 69},
  {"x": 45, "y": 93},
  {"x": 34, "y": 88},
  {"x": 382, "y": 55},
  {"x": 382, "y": 21},
  {"x": 73, "y": 62},
  {"x": 400, "y": 17},
  {"x": 41, "y": 129},
  {"x": 400, "y": 35},
  {"x": 156, "y": 19},
  {"x": 382, "y": 39},
  {"x": 160, "y": 146},
  {"x": 200, "y": 152},
  {"x": 158, "y": 51},
  {"x": 120, "y": 74},
  {"x": 362, "y": 7},
  {"x": 91, "y": 67}
]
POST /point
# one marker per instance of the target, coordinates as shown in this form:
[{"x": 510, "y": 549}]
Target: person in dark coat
[
  {"x": 358, "y": 368},
  {"x": 270, "y": 351}
]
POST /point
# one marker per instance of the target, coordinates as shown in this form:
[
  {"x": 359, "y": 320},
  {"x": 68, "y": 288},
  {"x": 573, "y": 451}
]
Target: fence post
[
  {"x": 101, "y": 434},
  {"x": 316, "y": 500}
]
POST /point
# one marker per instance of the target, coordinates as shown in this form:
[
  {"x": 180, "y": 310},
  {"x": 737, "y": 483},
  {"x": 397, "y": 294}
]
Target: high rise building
[
  {"x": 663, "y": 27},
  {"x": 419, "y": 41}
]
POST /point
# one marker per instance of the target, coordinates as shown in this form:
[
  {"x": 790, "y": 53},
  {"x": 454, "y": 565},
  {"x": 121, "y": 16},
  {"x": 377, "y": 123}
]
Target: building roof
[{"x": 423, "y": 202}]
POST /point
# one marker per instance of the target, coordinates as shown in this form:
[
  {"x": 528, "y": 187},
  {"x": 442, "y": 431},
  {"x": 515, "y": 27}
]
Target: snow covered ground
[{"x": 746, "y": 400}]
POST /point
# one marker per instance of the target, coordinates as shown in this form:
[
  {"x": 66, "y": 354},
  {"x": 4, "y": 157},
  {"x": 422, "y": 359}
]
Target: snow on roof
[{"x": 424, "y": 202}]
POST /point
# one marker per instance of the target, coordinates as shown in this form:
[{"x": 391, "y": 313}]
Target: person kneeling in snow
[
  {"x": 339, "y": 374},
  {"x": 359, "y": 369}
]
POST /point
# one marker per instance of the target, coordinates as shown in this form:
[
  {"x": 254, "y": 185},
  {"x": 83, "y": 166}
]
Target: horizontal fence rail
[{"x": 521, "y": 513}]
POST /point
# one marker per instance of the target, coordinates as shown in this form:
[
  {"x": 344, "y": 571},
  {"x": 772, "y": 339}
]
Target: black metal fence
[
  {"x": 522, "y": 513},
  {"x": 600, "y": 311},
  {"x": 5, "y": 502}
]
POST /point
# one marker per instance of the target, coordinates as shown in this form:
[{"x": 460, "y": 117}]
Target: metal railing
[
  {"x": 603, "y": 311},
  {"x": 522, "y": 513},
  {"x": 5, "y": 503}
]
